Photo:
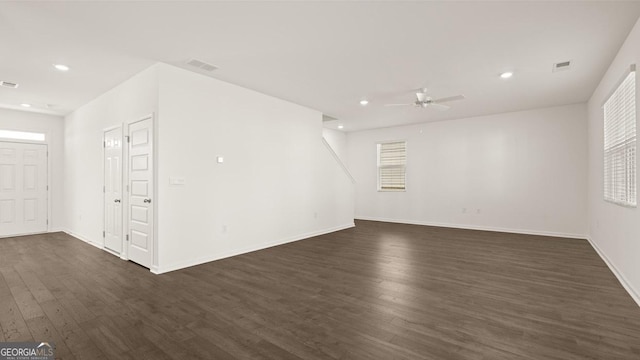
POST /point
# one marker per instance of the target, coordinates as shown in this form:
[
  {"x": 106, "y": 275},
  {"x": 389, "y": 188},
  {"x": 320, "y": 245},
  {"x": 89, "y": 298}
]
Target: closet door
[
  {"x": 140, "y": 175},
  {"x": 113, "y": 190}
]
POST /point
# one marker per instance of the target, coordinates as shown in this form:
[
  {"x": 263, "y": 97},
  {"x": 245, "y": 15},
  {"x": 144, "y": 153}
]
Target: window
[
  {"x": 21, "y": 135},
  {"x": 620, "y": 143},
  {"x": 392, "y": 163}
]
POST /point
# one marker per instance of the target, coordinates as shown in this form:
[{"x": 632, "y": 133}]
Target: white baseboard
[
  {"x": 476, "y": 227},
  {"x": 22, "y": 234},
  {"x": 635, "y": 295},
  {"x": 219, "y": 256},
  {"x": 33, "y": 233},
  {"x": 205, "y": 259},
  {"x": 80, "y": 237}
]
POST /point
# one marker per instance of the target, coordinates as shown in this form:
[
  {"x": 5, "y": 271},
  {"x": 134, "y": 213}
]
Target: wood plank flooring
[{"x": 378, "y": 291}]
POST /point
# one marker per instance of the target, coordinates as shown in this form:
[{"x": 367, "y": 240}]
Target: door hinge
[
  {"x": 47, "y": 221},
  {"x": 128, "y": 138},
  {"x": 104, "y": 144},
  {"x": 104, "y": 189},
  {"x": 47, "y": 187},
  {"x": 127, "y": 237},
  {"x": 127, "y": 187},
  {"x": 104, "y": 234}
]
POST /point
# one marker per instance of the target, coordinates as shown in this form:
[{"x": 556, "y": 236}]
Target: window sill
[{"x": 627, "y": 205}]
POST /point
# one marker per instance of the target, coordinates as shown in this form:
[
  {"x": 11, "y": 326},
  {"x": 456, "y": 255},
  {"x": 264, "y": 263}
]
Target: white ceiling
[{"x": 323, "y": 55}]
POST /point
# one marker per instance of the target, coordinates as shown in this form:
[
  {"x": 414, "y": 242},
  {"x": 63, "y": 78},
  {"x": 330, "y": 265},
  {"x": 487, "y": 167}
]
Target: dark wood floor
[{"x": 378, "y": 291}]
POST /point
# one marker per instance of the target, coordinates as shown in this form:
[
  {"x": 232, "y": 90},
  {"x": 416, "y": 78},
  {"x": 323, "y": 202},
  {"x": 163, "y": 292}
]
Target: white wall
[
  {"x": 338, "y": 142},
  {"x": 83, "y": 173},
  {"x": 278, "y": 181},
  {"x": 53, "y": 127},
  {"x": 519, "y": 172},
  {"x": 614, "y": 230}
]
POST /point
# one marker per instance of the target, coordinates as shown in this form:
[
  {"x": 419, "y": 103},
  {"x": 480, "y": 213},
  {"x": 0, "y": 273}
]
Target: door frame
[
  {"x": 49, "y": 187},
  {"x": 154, "y": 193}
]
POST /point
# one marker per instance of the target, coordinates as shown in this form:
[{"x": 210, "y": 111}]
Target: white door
[
  {"x": 23, "y": 188},
  {"x": 113, "y": 190},
  {"x": 140, "y": 177}
]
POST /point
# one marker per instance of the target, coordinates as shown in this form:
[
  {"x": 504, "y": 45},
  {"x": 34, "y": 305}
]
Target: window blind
[
  {"x": 620, "y": 144},
  {"x": 392, "y": 161}
]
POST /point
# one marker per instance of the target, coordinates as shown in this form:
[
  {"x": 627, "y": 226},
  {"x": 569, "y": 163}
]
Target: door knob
[
  {"x": 116, "y": 200},
  {"x": 148, "y": 201}
]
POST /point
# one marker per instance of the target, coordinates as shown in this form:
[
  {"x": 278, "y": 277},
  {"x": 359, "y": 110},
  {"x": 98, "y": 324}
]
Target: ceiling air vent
[
  {"x": 202, "y": 65},
  {"x": 8, "y": 84},
  {"x": 565, "y": 65}
]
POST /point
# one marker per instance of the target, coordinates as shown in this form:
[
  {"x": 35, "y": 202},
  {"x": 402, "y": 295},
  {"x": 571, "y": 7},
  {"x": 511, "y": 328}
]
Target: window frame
[
  {"x": 618, "y": 151},
  {"x": 379, "y": 167},
  {"x": 11, "y": 135}
]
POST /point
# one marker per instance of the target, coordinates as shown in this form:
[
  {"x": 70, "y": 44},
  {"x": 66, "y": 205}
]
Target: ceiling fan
[{"x": 424, "y": 101}]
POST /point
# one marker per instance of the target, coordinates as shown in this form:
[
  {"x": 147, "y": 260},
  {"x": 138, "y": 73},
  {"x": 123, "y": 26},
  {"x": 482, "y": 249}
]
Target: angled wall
[
  {"x": 614, "y": 230},
  {"x": 278, "y": 182},
  {"x": 84, "y": 128}
]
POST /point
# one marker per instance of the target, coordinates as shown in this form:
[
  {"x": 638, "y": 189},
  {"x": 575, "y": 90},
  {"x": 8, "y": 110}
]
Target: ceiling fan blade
[
  {"x": 437, "y": 106},
  {"x": 397, "y": 104},
  {"x": 450, "y": 98}
]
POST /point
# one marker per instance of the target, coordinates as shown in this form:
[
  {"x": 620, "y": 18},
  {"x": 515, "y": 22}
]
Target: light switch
[{"x": 177, "y": 181}]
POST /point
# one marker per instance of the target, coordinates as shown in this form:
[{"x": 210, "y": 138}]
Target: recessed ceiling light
[
  {"x": 506, "y": 75},
  {"x": 25, "y": 105},
  {"x": 61, "y": 67},
  {"x": 340, "y": 126},
  {"x": 364, "y": 102}
]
